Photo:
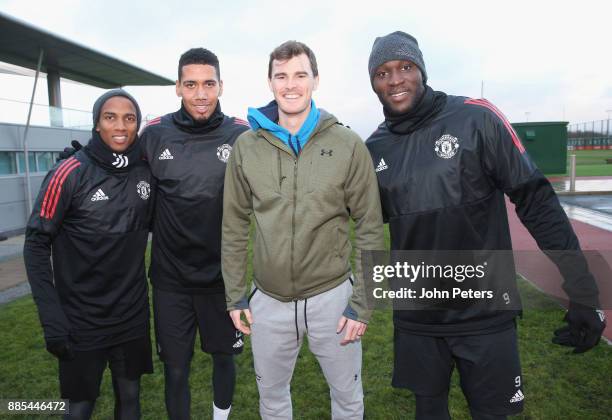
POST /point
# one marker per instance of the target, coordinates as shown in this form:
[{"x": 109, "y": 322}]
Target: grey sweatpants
[{"x": 277, "y": 333}]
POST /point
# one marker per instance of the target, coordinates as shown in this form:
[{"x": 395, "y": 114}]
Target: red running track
[{"x": 539, "y": 270}]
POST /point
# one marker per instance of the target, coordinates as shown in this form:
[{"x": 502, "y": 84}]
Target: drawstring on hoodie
[
  {"x": 297, "y": 331},
  {"x": 299, "y": 146},
  {"x": 305, "y": 316}
]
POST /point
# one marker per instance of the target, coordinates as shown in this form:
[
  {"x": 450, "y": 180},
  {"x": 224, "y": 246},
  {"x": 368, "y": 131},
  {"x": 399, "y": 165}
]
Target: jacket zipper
[
  {"x": 280, "y": 169},
  {"x": 295, "y": 170}
]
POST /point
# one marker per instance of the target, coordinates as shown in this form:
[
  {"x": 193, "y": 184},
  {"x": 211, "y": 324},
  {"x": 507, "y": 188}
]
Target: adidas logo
[
  {"x": 238, "y": 343},
  {"x": 166, "y": 155},
  {"x": 382, "y": 165},
  {"x": 99, "y": 195},
  {"x": 517, "y": 397}
]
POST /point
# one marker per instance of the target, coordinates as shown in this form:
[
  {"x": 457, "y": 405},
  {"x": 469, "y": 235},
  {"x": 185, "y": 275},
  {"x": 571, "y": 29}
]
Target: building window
[
  {"x": 45, "y": 161},
  {"x": 21, "y": 162},
  {"x": 12, "y": 163},
  {"x": 8, "y": 164}
]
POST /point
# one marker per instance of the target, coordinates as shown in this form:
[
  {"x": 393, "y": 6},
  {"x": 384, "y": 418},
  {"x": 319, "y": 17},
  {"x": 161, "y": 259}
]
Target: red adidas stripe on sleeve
[
  {"x": 241, "y": 122},
  {"x": 50, "y": 186},
  {"x": 54, "y": 188},
  {"x": 154, "y": 121},
  {"x": 484, "y": 103}
]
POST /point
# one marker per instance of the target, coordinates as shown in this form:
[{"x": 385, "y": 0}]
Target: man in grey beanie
[
  {"x": 444, "y": 164},
  {"x": 396, "y": 45}
]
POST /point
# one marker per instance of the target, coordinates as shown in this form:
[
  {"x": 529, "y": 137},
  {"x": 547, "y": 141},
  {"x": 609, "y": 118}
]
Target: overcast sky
[{"x": 538, "y": 57}]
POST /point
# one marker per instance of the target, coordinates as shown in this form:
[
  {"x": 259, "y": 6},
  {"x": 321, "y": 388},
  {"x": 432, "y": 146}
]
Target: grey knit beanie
[
  {"x": 396, "y": 46},
  {"x": 97, "y": 108}
]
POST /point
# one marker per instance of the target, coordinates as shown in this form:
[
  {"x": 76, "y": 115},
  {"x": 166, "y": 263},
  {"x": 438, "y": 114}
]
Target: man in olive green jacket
[{"x": 301, "y": 175}]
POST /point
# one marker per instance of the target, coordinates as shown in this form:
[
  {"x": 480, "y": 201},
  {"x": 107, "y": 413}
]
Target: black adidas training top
[
  {"x": 95, "y": 225},
  {"x": 190, "y": 169},
  {"x": 442, "y": 188}
]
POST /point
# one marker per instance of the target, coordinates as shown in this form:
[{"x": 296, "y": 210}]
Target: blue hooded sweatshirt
[{"x": 266, "y": 117}]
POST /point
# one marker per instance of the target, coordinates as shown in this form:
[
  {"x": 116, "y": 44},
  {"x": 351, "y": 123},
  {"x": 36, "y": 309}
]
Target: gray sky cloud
[{"x": 541, "y": 57}]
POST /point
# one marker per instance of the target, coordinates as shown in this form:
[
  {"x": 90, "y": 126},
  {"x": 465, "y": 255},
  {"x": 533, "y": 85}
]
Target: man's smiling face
[
  {"x": 199, "y": 88},
  {"x": 399, "y": 85},
  {"x": 292, "y": 83},
  {"x": 118, "y": 123}
]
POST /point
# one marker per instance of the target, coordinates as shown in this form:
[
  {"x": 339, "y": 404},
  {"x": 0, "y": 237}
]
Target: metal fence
[
  {"x": 16, "y": 112},
  {"x": 591, "y": 135}
]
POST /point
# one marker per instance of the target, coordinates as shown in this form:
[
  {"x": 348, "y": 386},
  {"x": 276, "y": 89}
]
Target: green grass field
[
  {"x": 589, "y": 163},
  {"x": 557, "y": 384}
]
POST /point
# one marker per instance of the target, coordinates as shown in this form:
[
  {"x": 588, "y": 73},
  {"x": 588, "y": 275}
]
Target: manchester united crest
[
  {"x": 223, "y": 152},
  {"x": 144, "y": 190},
  {"x": 446, "y": 146}
]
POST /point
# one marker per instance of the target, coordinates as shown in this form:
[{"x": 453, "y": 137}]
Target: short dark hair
[
  {"x": 199, "y": 56},
  {"x": 289, "y": 49}
]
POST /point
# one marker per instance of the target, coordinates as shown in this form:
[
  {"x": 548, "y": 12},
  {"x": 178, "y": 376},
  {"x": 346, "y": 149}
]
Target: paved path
[
  {"x": 597, "y": 202},
  {"x": 13, "y": 280},
  {"x": 584, "y": 185},
  {"x": 11, "y": 248},
  {"x": 12, "y": 273}
]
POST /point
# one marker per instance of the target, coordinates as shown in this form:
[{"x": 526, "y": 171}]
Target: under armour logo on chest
[{"x": 326, "y": 152}]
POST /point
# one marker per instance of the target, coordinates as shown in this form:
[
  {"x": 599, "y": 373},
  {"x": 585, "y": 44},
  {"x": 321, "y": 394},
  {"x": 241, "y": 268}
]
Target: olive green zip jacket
[{"x": 301, "y": 209}]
